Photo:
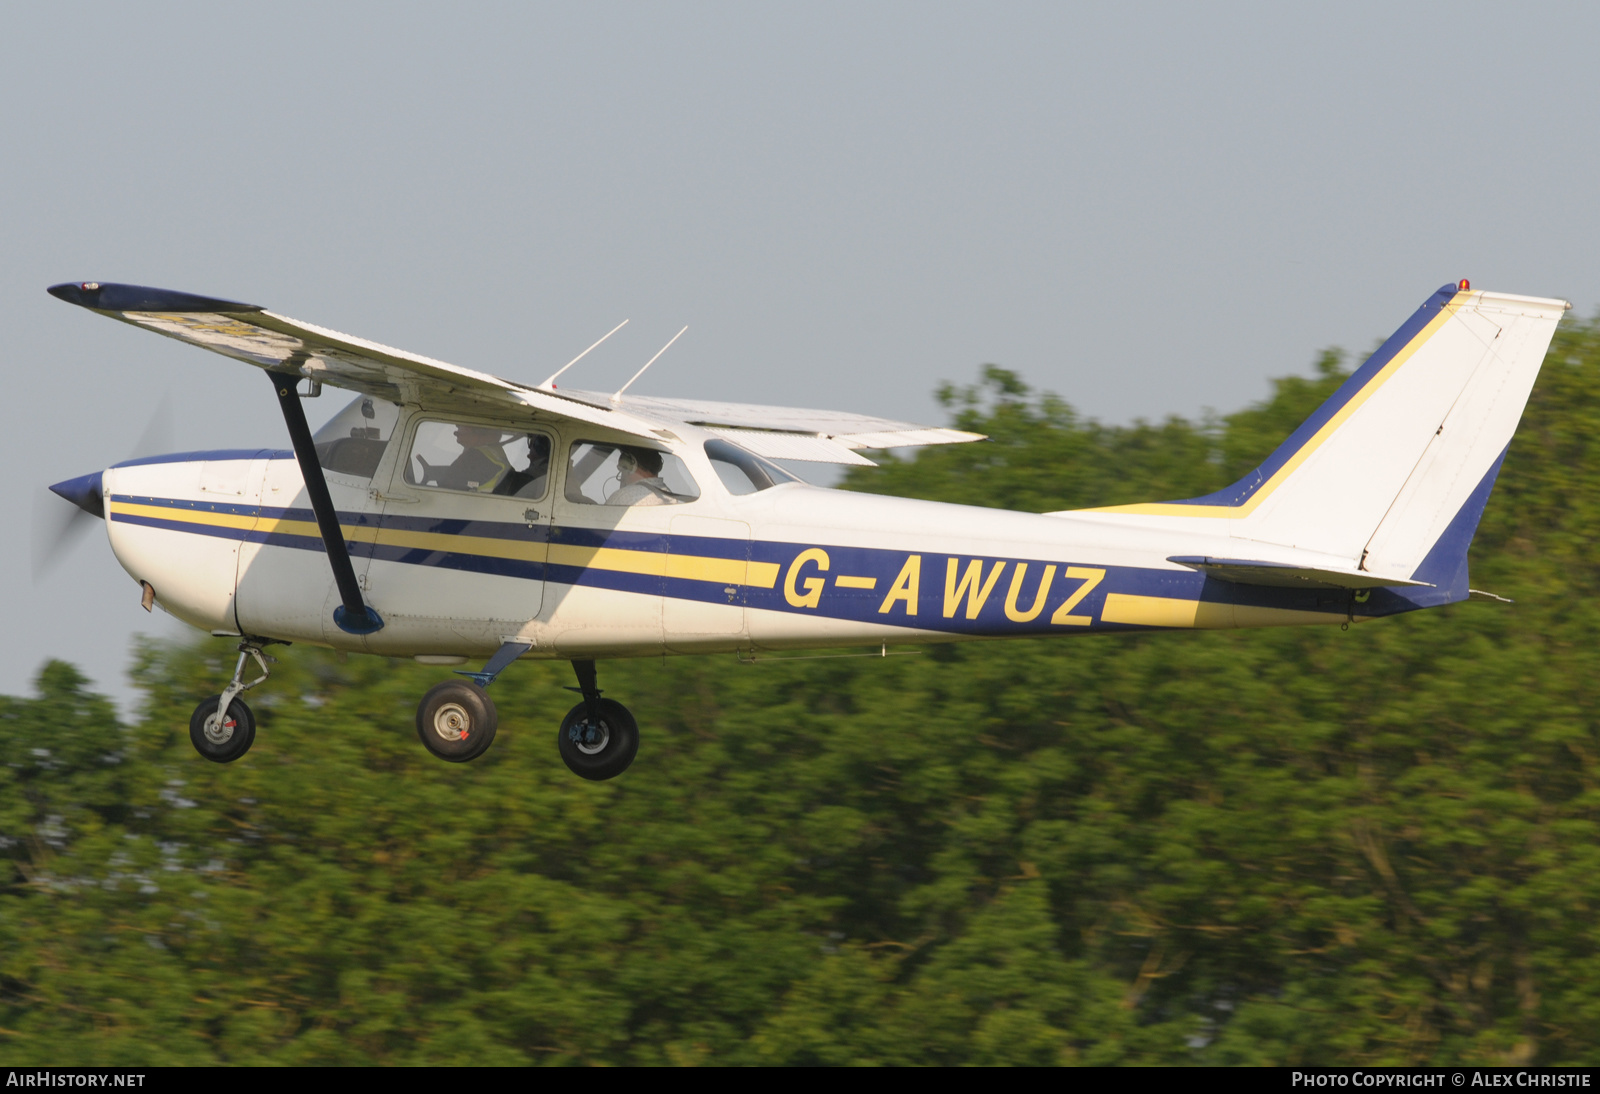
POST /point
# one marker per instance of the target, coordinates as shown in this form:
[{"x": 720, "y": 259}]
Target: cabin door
[
  {"x": 458, "y": 566},
  {"x": 704, "y": 586}
]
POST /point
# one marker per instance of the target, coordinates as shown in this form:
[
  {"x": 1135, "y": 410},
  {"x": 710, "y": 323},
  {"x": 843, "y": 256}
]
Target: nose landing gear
[{"x": 222, "y": 728}]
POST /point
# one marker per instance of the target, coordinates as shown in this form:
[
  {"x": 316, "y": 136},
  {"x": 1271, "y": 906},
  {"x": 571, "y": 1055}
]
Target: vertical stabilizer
[{"x": 1392, "y": 472}]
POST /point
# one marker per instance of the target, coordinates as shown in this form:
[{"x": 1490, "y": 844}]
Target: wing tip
[{"x": 111, "y": 297}]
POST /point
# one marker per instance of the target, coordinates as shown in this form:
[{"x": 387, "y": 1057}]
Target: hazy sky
[{"x": 1147, "y": 209}]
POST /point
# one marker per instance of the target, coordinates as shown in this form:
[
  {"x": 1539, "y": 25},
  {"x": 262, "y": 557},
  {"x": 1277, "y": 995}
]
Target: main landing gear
[
  {"x": 598, "y": 738},
  {"x": 222, "y": 728},
  {"x": 456, "y": 721}
]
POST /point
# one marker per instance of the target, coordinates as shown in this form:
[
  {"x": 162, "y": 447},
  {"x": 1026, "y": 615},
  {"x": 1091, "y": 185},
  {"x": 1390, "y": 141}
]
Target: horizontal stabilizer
[{"x": 1288, "y": 575}]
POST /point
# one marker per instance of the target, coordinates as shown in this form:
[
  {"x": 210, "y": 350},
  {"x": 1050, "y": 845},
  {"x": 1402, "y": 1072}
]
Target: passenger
[{"x": 639, "y": 471}]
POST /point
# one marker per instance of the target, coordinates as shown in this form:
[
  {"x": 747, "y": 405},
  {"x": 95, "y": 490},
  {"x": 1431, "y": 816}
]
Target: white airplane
[{"x": 448, "y": 515}]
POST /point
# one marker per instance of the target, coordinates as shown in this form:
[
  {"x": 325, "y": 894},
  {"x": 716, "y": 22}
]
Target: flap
[
  {"x": 842, "y": 427},
  {"x": 792, "y": 446}
]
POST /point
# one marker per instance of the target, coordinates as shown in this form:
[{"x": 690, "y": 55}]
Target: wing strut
[{"x": 353, "y": 616}]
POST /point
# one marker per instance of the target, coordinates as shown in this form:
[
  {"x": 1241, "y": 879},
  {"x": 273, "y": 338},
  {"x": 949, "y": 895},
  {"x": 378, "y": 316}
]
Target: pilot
[
  {"x": 529, "y": 483},
  {"x": 639, "y": 471},
  {"x": 482, "y": 464}
]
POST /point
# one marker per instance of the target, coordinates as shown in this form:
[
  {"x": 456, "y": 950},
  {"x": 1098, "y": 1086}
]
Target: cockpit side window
[
  {"x": 743, "y": 472},
  {"x": 623, "y": 474},
  {"x": 353, "y": 440},
  {"x": 479, "y": 459}
]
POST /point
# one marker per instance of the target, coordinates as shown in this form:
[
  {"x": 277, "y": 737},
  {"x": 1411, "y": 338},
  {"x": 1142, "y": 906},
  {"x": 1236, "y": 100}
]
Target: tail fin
[{"x": 1393, "y": 471}]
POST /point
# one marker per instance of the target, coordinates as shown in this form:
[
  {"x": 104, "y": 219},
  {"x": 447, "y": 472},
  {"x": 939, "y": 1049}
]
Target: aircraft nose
[{"x": 84, "y": 492}]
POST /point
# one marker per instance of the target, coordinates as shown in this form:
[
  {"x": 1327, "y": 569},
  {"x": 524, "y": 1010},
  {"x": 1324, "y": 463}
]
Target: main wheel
[
  {"x": 598, "y": 751},
  {"x": 222, "y": 740},
  {"x": 456, "y": 721}
]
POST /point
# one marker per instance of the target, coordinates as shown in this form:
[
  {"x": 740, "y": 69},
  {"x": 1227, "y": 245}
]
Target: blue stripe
[
  {"x": 1445, "y": 566},
  {"x": 248, "y": 509},
  {"x": 212, "y": 454},
  {"x": 861, "y": 605},
  {"x": 1241, "y": 491}
]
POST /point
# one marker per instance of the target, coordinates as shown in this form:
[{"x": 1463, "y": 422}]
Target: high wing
[
  {"x": 791, "y": 433},
  {"x": 250, "y": 333}
]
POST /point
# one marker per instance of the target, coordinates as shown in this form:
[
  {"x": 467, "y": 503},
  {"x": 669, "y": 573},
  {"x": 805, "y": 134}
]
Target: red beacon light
[{"x": 1464, "y": 285}]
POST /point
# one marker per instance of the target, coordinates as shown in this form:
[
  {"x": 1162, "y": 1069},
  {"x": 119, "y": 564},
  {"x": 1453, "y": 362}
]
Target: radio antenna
[
  {"x": 550, "y": 383},
  {"x": 617, "y": 398}
]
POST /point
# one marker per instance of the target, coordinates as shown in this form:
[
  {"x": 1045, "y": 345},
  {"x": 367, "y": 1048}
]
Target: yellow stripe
[
  {"x": 724, "y": 571},
  {"x": 844, "y": 581},
  {"x": 1235, "y": 512},
  {"x": 1149, "y": 611},
  {"x": 188, "y": 516},
  {"x": 1163, "y": 611},
  {"x": 489, "y": 547}
]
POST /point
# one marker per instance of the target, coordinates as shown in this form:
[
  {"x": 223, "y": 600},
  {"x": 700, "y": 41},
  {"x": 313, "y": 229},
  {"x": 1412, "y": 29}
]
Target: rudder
[{"x": 1396, "y": 465}]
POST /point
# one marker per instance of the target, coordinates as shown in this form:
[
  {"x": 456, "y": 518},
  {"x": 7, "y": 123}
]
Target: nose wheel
[
  {"x": 222, "y": 739},
  {"x": 222, "y": 728}
]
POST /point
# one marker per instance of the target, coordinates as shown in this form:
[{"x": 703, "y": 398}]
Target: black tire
[
  {"x": 456, "y": 721},
  {"x": 603, "y": 752},
  {"x": 225, "y": 744}
]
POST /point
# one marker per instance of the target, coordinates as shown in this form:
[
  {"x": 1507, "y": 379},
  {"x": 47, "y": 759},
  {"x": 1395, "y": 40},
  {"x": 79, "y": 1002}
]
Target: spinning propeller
[{"x": 58, "y": 529}]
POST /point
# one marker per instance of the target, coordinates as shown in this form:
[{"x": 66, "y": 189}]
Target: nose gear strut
[{"x": 223, "y": 727}]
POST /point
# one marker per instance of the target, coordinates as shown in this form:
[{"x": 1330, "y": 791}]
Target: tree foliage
[{"x": 1289, "y": 846}]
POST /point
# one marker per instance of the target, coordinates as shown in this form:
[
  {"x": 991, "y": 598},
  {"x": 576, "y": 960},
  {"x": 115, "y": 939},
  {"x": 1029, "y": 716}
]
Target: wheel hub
[
  {"x": 589, "y": 737},
  {"x": 219, "y": 731},
  {"x": 452, "y": 722}
]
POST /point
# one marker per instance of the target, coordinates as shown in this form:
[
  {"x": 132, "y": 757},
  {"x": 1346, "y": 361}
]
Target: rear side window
[
  {"x": 353, "y": 441},
  {"x": 743, "y": 472}
]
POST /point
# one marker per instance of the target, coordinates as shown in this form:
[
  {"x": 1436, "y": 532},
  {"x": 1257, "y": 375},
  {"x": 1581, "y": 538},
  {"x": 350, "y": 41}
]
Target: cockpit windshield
[
  {"x": 353, "y": 441},
  {"x": 744, "y": 472}
]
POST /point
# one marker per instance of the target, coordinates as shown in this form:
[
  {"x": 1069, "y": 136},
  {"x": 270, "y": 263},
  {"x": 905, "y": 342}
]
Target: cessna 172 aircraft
[{"x": 448, "y": 515}]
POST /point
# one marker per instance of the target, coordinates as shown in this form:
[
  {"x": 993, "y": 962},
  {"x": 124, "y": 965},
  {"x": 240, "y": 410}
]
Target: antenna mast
[
  {"x": 551, "y": 383},
  {"x": 617, "y": 398}
]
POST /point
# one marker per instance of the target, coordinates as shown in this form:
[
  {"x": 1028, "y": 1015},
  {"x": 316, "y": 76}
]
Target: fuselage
[{"x": 229, "y": 544}]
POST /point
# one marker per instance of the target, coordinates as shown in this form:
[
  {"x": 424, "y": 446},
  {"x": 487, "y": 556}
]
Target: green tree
[{"x": 1281, "y": 846}]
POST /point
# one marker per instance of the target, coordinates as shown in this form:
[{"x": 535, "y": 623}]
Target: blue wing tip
[{"x": 106, "y": 296}]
